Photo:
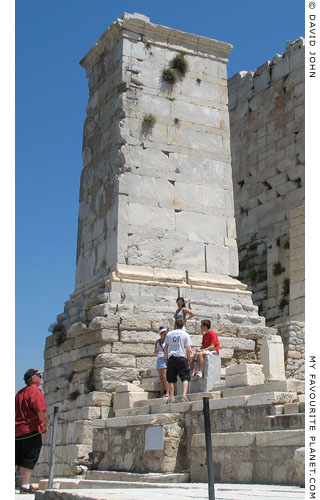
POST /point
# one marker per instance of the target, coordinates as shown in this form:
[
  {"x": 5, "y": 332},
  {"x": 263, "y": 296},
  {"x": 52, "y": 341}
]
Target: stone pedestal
[
  {"x": 211, "y": 375},
  {"x": 244, "y": 374},
  {"x": 272, "y": 358}
]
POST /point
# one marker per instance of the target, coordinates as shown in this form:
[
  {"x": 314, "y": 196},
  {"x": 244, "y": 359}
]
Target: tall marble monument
[{"x": 156, "y": 197}]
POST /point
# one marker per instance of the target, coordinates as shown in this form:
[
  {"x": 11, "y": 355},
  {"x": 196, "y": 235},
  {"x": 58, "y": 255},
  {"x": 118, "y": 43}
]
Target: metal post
[
  {"x": 207, "y": 428},
  {"x": 53, "y": 446}
]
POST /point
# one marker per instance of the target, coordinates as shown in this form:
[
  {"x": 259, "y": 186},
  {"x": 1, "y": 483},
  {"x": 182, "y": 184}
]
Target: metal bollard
[
  {"x": 53, "y": 446},
  {"x": 207, "y": 428}
]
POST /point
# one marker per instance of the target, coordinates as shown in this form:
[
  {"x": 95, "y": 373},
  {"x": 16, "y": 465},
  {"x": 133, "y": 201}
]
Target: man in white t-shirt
[{"x": 177, "y": 352}]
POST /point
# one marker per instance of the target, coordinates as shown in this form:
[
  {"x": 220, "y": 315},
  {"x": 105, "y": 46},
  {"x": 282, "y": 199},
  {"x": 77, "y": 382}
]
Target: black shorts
[
  {"x": 28, "y": 450},
  {"x": 178, "y": 366}
]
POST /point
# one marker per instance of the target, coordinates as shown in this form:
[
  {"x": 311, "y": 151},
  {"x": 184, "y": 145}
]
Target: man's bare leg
[
  {"x": 171, "y": 391},
  {"x": 25, "y": 476},
  {"x": 185, "y": 385}
]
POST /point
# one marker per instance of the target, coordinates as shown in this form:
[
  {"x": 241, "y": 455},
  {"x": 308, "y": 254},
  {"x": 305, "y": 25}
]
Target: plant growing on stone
[
  {"x": 89, "y": 383},
  {"x": 90, "y": 305},
  {"x": 56, "y": 327},
  {"x": 149, "y": 120},
  {"x": 286, "y": 287},
  {"x": 73, "y": 395},
  {"x": 278, "y": 269},
  {"x": 70, "y": 376},
  {"x": 283, "y": 303},
  {"x": 179, "y": 63},
  {"x": 169, "y": 75},
  {"x": 60, "y": 338}
]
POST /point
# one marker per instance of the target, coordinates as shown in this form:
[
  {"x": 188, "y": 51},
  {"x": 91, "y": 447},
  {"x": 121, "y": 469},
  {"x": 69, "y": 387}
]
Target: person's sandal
[
  {"x": 31, "y": 489},
  {"x": 170, "y": 401}
]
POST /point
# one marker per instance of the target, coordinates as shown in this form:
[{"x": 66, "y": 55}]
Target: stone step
[
  {"x": 278, "y": 386},
  {"x": 289, "y": 421},
  {"x": 196, "y": 396},
  {"x": 277, "y": 400},
  {"x": 127, "y": 421},
  {"x": 289, "y": 437},
  {"x": 60, "y": 483},
  {"x": 153, "y": 477},
  {"x": 143, "y": 410},
  {"x": 159, "y": 407},
  {"x": 95, "y": 484}
]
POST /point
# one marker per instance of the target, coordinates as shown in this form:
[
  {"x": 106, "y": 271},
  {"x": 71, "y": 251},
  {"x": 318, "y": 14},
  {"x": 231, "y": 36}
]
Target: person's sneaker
[
  {"x": 199, "y": 374},
  {"x": 184, "y": 399},
  {"x": 170, "y": 401},
  {"x": 31, "y": 489}
]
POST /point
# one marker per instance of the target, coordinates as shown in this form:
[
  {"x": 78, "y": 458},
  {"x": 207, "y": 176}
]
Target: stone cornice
[
  {"x": 154, "y": 276},
  {"x": 156, "y": 33}
]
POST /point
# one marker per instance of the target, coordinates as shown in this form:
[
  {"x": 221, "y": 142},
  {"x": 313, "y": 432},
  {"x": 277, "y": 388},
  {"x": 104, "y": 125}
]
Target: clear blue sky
[{"x": 51, "y": 98}]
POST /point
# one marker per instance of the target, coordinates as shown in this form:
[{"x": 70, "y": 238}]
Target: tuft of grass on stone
[
  {"x": 278, "y": 269},
  {"x": 70, "y": 376},
  {"x": 149, "y": 120},
  {"x": 169, "y": 76},
  {"x": 286, "y": 287},
  {"x": 73, "y": 395},
  {"x": 179, "y": 63},
  {"x": 90, "y": 305},
  {"x": 283, "y": 303},
  {"x": 89, "y": 383},
  {"x": 56, "y": 327}
]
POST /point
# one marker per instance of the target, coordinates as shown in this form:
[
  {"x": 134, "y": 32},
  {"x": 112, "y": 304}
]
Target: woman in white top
[{"x": 161, "y": 363}]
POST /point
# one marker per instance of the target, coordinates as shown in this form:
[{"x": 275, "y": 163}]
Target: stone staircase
[
  {"x": 116, "y": 479},
  {"x": 255, "y": 431},
  {"x": 251, "y": 425}
]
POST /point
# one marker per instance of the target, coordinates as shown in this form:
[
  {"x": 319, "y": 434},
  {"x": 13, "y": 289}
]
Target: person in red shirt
[
  {"x": 210, "y": 345},
  {"x": 31, "y": 421}
]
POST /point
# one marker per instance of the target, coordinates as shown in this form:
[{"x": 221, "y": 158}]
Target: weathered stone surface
[
  {"x": 267, "y": 148},
  {"x": 272, "y": 358},
  {"x": 128, "y": 388},
  {"x": 272, "y": 398},
  {"x": 123, "y": 400},
  {"x": 282, "y": 386},
  {"x": 134, "y": 348},
  {"x": 113, "y": 360},
  {"x": 211, "y": 375},
  {"x": 96, "y": 336},
  {"x": 299, "y": 462},
  {"x": 244, "y": 374},
  {"x": 76, "y": 329},
  {"x": 101, "y": 323}
]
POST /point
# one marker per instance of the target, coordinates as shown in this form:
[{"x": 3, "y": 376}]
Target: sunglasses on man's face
[{"x": 38, "y": 375}]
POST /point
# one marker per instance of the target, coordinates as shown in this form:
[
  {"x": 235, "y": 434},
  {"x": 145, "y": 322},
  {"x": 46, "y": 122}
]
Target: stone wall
[
  {"x": 293, "y": 338},
  {"x": 172, "y": 440},
  {"x": 297, "y": 265},
  {"x": 267, "y": 148},
  {"x": 74, "y": 431}
]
